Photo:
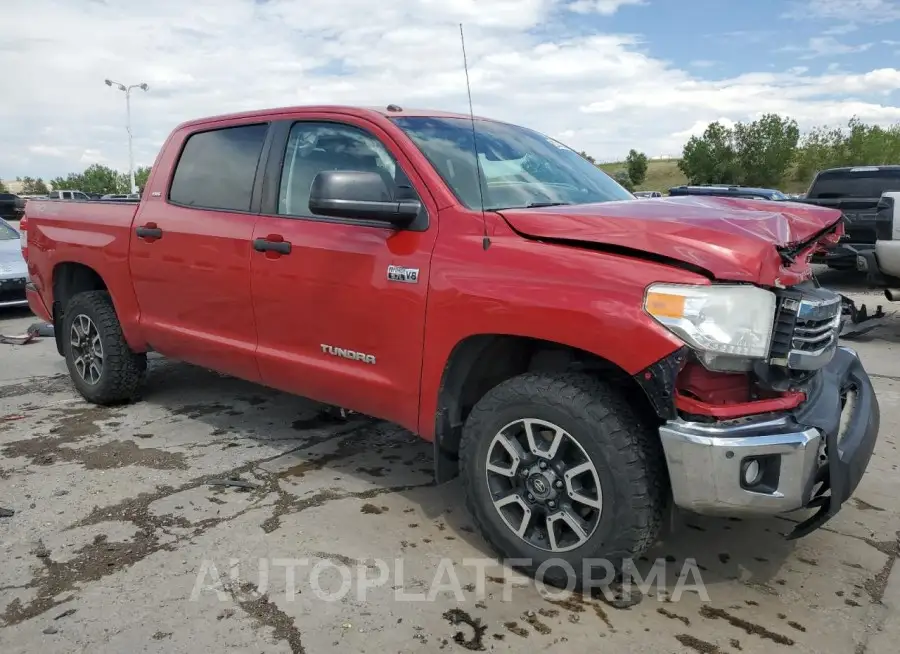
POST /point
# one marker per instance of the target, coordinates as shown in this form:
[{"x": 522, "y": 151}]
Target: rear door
[
  {"x": 190, "y": 249},
  {"x": 334, "y": 324}
]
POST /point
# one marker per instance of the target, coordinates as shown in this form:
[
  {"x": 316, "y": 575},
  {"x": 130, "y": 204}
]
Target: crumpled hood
[{"x": 732, "y": 239}]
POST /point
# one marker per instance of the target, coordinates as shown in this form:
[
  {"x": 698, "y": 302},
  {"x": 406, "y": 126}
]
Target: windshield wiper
[{"x": 535, "y": 205}]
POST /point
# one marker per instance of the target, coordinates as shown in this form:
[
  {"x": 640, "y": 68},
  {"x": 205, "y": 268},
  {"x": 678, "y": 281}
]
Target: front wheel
[
  {"x": 102, "y": 366},
  {"x": 559, "y": 469}
]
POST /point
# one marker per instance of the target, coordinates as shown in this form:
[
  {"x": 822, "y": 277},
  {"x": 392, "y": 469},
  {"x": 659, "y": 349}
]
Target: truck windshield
[
  {"x": 519, "y": 167},
  {"x": 855, "y": 183}
]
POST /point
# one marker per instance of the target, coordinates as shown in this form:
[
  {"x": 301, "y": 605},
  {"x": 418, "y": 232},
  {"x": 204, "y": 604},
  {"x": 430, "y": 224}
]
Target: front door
[
  {"x": 191, "y": 248},
  {"x": 333, "y": 324}
]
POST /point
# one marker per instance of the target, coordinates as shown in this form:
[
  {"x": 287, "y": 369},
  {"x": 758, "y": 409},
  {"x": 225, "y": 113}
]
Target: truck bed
[{"x": 90, "y": 232}]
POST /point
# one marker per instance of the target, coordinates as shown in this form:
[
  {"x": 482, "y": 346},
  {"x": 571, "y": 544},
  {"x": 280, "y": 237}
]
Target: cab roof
[{"x": 389, "y": 111}]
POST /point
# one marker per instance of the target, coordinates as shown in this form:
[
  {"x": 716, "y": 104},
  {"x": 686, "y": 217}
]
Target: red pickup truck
[{"x": 583, "y": 359}]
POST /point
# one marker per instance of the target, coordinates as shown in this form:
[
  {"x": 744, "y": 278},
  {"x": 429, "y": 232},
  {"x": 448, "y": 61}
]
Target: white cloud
[
  {"x": 602, "y": 7},
  {"x": 826, "y": 46},
  {"x": 700, "y": 126},
  {"x": 860, "y": 11},
  {"x": 601, "y": 93},
  {"x": 840, "y": 30}
]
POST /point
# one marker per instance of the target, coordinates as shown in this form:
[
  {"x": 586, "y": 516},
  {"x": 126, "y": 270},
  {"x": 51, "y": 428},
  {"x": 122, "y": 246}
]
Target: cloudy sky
[{"x": 600, "y": 75}]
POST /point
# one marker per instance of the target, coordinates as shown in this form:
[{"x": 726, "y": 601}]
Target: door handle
[
  {"x": 269, "y": 245},
  {"x": 149, "y": 231}
]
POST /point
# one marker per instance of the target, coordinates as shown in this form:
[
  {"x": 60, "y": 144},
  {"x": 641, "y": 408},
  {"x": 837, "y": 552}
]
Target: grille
[{"x": 805, "y": 332}]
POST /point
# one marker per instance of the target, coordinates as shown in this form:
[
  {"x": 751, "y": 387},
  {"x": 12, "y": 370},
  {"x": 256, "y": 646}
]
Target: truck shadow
[{"x": 323, "y": 452}]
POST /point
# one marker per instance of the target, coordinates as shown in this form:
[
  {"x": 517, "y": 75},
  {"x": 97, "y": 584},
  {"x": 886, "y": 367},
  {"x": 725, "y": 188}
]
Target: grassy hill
[{"x": 663, "y": 174}]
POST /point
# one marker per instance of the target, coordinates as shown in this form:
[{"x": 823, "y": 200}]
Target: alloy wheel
[
  {"x": 87, "y": 349},
  {"x": 544, "y": 485}
]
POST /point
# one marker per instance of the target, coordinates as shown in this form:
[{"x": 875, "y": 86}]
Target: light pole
[{"x": 127, "y": 90}]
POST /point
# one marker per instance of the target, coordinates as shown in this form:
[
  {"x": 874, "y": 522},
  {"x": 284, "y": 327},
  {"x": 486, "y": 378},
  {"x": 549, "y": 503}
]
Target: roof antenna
[{"x": 485, "y": 240}]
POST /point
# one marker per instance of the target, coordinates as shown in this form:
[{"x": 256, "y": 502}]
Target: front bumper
[{"x": 811, "y": 457}]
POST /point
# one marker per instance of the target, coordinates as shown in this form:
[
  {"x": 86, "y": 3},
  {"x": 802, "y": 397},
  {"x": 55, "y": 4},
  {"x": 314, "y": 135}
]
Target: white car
[
  {"x": 647, "y": 194},
  {"x": 121, "y": 196},
  {"x": 13, "y": 269}
]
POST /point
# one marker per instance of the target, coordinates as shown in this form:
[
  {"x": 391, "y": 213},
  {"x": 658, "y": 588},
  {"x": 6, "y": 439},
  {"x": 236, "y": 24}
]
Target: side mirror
[{"x": 359, "y": 194}]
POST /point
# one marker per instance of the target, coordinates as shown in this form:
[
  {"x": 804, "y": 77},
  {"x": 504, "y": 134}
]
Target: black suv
[
  {"x": 746, "y": 192},
  {"x": 11, "y": 206}
]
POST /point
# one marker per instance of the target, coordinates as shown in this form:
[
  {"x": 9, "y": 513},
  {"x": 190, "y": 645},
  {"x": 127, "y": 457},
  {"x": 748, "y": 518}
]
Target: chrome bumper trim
[{"x": 705, "y": 460}]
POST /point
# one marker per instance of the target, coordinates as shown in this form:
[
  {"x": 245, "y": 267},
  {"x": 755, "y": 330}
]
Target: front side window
[
  {"x": 217, "y": 168},
  {"x": 316, "y": 147},
  {"x": 518, "y": 167}
]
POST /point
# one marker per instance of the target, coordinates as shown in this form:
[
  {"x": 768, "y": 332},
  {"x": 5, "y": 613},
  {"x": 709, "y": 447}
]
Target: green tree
[
  {"x": 71, "y": 182},
  {"x": 2, "y": 187},
  {"x": 856, "y": 144},
  {"x": 98, "y": 178},
  {"x": 765, "y": 149},
  {"x": 636, "y": 164},
  {"x": 710, "y": 158},
  {"x": 31, "y": 186},
  {"x": 621, "y": 176},
  {"x": 758, "y": 153},
  {"x": 588, "y": 157},
  {"x": 141, "y": 174}
]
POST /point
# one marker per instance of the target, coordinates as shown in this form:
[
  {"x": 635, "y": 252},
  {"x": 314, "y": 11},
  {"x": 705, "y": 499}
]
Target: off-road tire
[
  {"x": 625, "y": 449},
  {"x": 123, "y": 370}
]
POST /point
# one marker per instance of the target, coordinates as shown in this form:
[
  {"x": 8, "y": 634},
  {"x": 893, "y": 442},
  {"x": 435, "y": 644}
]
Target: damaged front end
[{"x": 791, "y": 429}]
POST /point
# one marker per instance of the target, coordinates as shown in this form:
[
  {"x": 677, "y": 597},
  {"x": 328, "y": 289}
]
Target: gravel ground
[{"x": 123, "y": 539}]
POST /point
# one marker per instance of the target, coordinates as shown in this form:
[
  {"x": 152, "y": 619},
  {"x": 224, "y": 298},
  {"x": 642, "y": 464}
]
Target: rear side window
[
  {"x": 217, "y": 168},
  {"x": 859, "y": 184}
]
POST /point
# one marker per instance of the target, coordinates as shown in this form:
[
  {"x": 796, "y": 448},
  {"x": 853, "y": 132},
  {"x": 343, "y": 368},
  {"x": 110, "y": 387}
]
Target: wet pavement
[{"x": 154, "y": 527}]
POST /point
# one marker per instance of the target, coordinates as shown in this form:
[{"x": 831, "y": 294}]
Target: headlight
[{"x": 732, "y": 320}]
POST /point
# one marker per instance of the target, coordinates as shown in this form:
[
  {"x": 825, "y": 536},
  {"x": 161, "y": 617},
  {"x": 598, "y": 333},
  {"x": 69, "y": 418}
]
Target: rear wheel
[
  {"x": 559, "y": 469},
  {"x": 102, "y": 366}
]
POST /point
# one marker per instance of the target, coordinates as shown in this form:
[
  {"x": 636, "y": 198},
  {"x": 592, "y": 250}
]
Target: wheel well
[
  {"x": 479, "y": 363},
  {"x": 70, "y": 279}
]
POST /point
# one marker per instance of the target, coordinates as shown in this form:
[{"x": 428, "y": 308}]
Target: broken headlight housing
[{"x": 727, "y": 325}]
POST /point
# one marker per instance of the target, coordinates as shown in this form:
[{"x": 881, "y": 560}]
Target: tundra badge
[
  {"x": 401, "y": 274},
  {"x": 348, "y": 354}
]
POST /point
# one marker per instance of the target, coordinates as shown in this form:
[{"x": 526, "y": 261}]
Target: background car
[
  {"x": 647, "y": 194},
  {"x": 746, "y": 192},
  {"x": 13, "y": 270},
  {"x": 121, "y": 197},
  {"x": 11, "y": 206}
]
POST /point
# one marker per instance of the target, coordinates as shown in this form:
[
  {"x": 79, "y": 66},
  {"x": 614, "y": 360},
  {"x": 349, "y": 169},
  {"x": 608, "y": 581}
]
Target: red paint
[
  {"x": 202, "y": 294},
  {"x": 784, "y": 402},
  {"x": 714, "y": 387},
  {"x": 727, "y": 395},
  {"x": 731, "y": 238},
  {"x": 36, "y": 304}
]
